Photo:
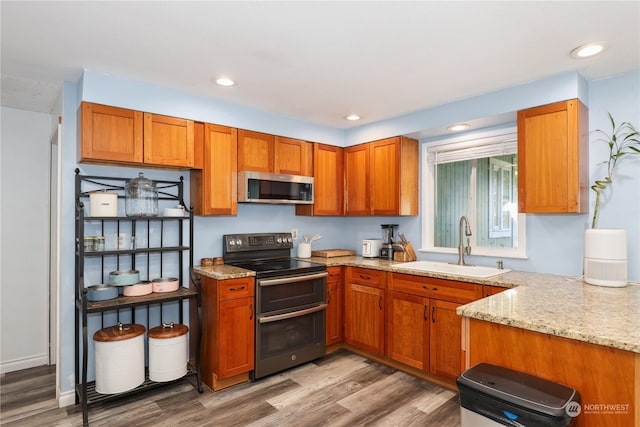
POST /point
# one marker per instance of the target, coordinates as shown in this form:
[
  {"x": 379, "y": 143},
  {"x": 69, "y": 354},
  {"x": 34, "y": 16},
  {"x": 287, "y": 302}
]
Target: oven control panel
[{"x": 256, "y": 242}]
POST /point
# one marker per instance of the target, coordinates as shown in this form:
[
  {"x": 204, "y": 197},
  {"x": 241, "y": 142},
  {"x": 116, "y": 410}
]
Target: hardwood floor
[{"x": 341, "y": 389}]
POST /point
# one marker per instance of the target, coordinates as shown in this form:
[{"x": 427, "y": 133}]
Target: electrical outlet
[{"x": 294, "y": 234}]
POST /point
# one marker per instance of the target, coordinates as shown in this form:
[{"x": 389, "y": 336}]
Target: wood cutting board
[{"x": 331, "y": 253}]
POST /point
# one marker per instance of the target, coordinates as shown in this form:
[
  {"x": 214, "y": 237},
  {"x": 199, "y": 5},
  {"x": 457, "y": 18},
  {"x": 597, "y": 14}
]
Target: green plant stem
[{"x": 600, "y": 184}]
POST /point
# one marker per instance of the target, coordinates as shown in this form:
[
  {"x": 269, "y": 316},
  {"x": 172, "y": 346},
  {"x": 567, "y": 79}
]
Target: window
[{"x": 477, "y": 178}]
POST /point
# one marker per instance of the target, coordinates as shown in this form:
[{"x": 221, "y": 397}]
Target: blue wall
[{"x": 554, "y": 242}]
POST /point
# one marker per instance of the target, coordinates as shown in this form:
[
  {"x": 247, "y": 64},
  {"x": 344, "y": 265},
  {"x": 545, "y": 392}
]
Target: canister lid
[
  {"x": 168, "y": 330},
  {"x": 119, "y": 332}
]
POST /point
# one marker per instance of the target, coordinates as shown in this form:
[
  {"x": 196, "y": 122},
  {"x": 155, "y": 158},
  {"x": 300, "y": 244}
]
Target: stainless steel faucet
[{"x": 462, "y": 250}]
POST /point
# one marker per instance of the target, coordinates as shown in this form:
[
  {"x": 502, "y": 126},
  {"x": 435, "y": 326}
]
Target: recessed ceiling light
[
  {"x": 458, "y": 127},
  {"x": 353, "y": 117},
  {"x": 587, "y": 50},
  {"x": 224, "y": 81}
]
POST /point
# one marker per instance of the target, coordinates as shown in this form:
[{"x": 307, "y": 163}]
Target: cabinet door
[
  {"x": 408, "y": 322},
  {"x": 364, "y": 317},
  {"x": 356, "y": 178},
  {"x": 385, "y": 175},
  {"x": 293, "y": 156},
  {"x": 328, "y": 173},
  {"x": 236, "y": 337},
  {"x": 334, "y": 307},
  {"x": 394, "y": 176},
  {"x": 110, "y": 134},
  {"x": 168, "y": 141},
  {"x": 445, "y": 339},
  {"x": 255, "y": 151},
  {"x": 553, "y": 158},
  {"x": 214, "y": 188}
]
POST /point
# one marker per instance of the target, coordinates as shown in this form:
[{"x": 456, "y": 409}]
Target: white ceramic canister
[
  {"x": 167, "y": 352},
  {"x": 102, "y": 203},
  {"x": 119, "y": 358},
  {"x": 304, "y": 250}
]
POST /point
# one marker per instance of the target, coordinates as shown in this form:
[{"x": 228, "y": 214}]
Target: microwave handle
[{"x": 294, "y": 279}]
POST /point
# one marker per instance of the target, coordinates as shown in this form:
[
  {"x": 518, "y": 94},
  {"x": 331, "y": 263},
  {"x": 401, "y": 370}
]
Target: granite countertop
[
  {"x": 546, "y": 303},
  {"x": 223, "y": 271}
]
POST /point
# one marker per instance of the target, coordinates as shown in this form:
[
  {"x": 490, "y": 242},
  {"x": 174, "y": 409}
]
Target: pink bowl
[
  {"x": 165, "y": 284},
  {"x": 137, "y": 290}
]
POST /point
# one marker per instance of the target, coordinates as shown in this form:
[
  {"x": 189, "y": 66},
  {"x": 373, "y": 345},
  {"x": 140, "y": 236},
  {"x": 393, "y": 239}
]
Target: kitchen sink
[{"x": 453, "y": 269}]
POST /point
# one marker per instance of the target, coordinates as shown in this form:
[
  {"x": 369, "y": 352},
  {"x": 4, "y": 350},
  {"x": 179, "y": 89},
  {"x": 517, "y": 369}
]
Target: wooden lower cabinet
[
  {"x": 227, "y": 350},
  {"x": 364, "y": 317},
  {"x": 423, "y": 329},
  {"x": 445, "y": 343},
  {"x": 408, "y": 323},
  {"x": 335, "y": 306},
  {"x": 603, "y": 375}
]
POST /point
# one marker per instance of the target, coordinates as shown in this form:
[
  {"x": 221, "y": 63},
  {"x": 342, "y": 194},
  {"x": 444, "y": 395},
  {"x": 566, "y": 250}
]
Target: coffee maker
[{"x": 386, "y": 251}]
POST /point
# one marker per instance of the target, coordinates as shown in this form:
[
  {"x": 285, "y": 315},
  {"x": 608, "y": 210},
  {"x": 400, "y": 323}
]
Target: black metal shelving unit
[{"x": 153, "y": 304}]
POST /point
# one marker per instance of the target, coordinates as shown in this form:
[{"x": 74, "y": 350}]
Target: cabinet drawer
[
  {"x": 368, "y": 277},
  {"x": 235, "y": 288},
  {"x": 335, "y": 274},
  {"x": 448, "y": 290}
]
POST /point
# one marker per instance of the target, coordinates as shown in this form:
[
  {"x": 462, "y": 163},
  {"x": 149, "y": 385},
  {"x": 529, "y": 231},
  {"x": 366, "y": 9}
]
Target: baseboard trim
[
  {"x": 24, "y": 363},
  {"x": 67, "y": 398}
]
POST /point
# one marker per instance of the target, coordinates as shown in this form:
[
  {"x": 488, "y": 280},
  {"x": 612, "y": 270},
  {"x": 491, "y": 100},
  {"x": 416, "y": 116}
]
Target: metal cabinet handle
[
  {"x": 424, "y": 312},
  {"x": 380, "y": 302},
  {"x": 237, "y": 289},
  {"x": 429, "y": 289},
  {"x": 365, "y": 277},
  {"x": 433, "y": 314},
  {"x": 250, "y": 311},
  {"x": 328, "y": 296}
]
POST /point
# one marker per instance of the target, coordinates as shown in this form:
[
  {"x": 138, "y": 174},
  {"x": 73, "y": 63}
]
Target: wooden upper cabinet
[
  {"x": 168, "y": 141},
  {"x": 118, "y": 135},
  {"x": 328, "y": 173},
  {"x": 553, "y": 162},
  {"x": 356, "y": 180},
  {"x": 255, "y": 151},
  {"x": 109, "y": 134},
  {"x": 293, "y": 156},
  {"x": 381, "y": 177},
  {"x": 394, "y": 176},
  {"x": 214, "y": 188}
]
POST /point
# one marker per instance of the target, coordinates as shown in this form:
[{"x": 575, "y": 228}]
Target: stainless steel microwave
[{"x": 261, "y": 187}]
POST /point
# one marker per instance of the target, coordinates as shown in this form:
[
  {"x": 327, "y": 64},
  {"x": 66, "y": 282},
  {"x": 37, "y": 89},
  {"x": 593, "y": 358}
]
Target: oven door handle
[
  {"x": 292, "y": 314},
  {"x": 293, "y": 279}
]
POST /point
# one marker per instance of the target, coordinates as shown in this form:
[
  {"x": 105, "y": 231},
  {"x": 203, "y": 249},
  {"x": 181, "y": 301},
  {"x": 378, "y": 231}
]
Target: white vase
[{"x": 605, "y": 257}]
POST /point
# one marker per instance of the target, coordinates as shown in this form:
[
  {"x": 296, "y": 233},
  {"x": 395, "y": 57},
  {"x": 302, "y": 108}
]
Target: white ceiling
[{"x": 315, "y": 61}]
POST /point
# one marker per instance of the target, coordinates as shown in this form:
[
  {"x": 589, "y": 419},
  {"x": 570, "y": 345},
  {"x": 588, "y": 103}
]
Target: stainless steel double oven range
[{"x": 290, "y": 300}]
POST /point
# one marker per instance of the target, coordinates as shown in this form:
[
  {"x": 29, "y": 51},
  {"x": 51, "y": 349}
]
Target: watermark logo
[
  {"x": 573, "y": 409},
  {"x": 606, "y": 408}
]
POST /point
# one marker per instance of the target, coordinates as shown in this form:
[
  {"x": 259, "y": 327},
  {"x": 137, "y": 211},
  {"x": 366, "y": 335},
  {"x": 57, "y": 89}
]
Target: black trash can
[{"x": 491, "y": 395}]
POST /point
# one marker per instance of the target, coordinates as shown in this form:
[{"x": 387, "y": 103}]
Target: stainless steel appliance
[
  {"x": 261, "y": 187},
  {"x": 290, "y": 300},
  {"x": 387, "y": 241}
]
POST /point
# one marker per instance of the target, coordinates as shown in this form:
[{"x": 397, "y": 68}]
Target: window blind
[{"x": 474, "y": 149}]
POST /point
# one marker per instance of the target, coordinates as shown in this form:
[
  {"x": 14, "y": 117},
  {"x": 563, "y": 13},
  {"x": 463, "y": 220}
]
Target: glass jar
[{"x": 141, "y": 197}]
